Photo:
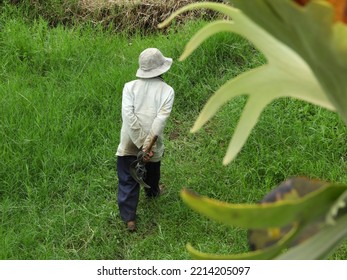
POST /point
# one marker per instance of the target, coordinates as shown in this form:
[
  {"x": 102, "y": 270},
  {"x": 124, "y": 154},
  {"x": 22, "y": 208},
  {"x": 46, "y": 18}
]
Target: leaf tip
[
  {"x": 182, "y": 57},
  {"x": 227, "y": 159},
  {"x": 188, "y": 193},
  {"x": 165, "y": 22},
  {"x": 195, "y": 128}
]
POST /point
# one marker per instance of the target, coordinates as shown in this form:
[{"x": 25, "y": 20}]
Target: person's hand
[{"x": 147, "y": 155}]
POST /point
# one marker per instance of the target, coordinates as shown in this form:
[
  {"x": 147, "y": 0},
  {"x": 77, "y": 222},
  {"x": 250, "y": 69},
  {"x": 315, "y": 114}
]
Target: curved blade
[
  {"x": 138, "y": 167},
  {"x": 137, "y": 171}
]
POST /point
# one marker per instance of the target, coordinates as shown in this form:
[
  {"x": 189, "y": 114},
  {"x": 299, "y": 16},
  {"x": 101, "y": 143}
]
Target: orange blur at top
[{"x": 340, "y": 7}]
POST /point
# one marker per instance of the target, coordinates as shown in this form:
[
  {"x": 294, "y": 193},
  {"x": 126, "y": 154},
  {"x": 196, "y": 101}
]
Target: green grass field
[{"x": 60, "y": 102}]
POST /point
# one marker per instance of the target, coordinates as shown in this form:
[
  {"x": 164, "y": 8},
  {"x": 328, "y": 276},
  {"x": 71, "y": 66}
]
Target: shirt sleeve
[
  {"x": 135, "y": 131},
  {"x": 159, "y": 122}
]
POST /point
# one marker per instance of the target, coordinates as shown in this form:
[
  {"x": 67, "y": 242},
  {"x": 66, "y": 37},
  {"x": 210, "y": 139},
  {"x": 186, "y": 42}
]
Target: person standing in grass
[{"x": 146, "y": 105}]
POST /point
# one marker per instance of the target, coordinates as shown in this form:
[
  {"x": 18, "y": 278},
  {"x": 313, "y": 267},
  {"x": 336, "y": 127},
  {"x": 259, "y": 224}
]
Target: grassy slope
[{"x": 60, "y": 94}]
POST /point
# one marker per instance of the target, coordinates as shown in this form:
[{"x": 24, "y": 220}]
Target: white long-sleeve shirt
[{"x": 146, "y": 106}]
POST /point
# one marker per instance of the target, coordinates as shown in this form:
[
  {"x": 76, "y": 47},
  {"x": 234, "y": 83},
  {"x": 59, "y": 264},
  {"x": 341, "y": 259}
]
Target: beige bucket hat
[{"x": 152, "y": 63}]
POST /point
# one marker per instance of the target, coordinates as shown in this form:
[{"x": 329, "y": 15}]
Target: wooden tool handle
[{"x": 149, "y": 147}]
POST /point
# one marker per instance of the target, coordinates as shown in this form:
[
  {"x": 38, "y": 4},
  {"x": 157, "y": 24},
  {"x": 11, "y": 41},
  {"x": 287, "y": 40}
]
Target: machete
[{"x": 138, "y": 166}]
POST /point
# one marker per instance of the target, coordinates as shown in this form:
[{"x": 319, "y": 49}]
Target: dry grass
[
  {"x": 133, "y": 15},
  {"x": 138, "y": 15}
]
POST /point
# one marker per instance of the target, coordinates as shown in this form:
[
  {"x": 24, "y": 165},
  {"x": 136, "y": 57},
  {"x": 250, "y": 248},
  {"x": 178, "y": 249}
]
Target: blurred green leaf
[
  {"x": 267, "y": 253},
  {"x": 267, "y": 215},
  {"x": 294, "y": 204},
  {"x": 321, "y": 245}
]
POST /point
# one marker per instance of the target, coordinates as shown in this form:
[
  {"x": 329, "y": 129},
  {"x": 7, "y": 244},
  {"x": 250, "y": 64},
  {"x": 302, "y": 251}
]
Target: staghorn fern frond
[
  {"x": 305, "y": 43},
  {"x": 300, "y": 225},
  {"x": 292, "y": 69}
]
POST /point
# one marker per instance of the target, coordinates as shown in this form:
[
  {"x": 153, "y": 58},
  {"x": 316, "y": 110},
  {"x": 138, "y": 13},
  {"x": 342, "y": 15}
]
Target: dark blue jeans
[{"x": 129, "y": 189}]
